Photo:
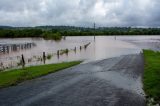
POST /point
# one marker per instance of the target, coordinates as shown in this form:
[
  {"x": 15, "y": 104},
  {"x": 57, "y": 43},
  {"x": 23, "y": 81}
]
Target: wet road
[{"x": 110, "y": 82}]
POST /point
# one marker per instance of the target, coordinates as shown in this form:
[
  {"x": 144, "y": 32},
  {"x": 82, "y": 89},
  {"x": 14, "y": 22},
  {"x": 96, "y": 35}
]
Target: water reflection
[{"x": 8, "y": 48}]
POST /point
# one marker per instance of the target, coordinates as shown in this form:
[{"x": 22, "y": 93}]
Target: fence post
[
  {"x": 58, "y": 54},
  {"x": 44, "y": 58},
  {"x": 75, "y": 49},
  {"x": 67, "y": 52},
  {"x": 80, "y": 48},
  {"x": 23, "y": 61},
  {"x": 85, "y": 46}
]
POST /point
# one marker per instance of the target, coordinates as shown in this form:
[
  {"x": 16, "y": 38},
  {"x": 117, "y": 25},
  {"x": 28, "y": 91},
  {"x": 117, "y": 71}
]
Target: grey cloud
[{"x": 80, "y": 12}]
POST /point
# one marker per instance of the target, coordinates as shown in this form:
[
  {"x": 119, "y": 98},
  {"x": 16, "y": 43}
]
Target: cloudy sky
[{"x": 80, "y": 12}]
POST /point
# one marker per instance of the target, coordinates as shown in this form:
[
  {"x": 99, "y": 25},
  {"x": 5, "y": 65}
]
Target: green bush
[{"x": 50, "y": 35}]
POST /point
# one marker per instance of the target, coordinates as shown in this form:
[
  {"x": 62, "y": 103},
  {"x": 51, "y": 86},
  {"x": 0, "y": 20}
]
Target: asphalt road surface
[{"x": 109, "y": 82}]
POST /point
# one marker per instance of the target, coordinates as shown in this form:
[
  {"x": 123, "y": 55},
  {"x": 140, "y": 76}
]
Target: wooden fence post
[
  {"x": 75, "y": 49},
  {"x": 58, "y": 54},
  {"x": 67, "y": 51},
  {"x": 44, "y": 57},
  {"x": 80, "y": 48},
  {"x": 23, "y": 61}
]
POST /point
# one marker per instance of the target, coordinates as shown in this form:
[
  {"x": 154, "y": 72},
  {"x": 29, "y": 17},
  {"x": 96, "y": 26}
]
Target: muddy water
[
  {"x": 143, "y": 42},
  {"x": 103, "y": 47}
]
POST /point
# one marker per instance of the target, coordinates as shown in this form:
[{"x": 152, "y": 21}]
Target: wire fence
[{"x": 38, "y": 58}]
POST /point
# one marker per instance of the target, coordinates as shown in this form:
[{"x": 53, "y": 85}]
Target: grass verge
[
  {"x": 152, "y": 75},
  {"x": 13, "y": 77}
]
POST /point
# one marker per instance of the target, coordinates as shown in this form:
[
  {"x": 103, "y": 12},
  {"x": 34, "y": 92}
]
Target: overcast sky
[{"x": 80, "y": 12}]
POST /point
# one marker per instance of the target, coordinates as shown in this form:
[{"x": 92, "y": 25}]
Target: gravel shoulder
[{"x": 110, "y": 82}]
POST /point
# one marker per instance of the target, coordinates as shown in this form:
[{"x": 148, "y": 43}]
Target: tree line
[
  {"x": 57, "y": 32},
  {"x": 19, "y": 33}
]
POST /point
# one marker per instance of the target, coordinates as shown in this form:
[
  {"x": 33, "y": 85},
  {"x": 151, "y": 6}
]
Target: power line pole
[{"x": 94, "y": 30}]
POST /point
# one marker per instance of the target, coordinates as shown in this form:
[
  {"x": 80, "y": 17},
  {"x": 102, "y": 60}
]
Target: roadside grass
[
  {"x": 152, "y": 75},
  {"x": 13, "y": 77}
]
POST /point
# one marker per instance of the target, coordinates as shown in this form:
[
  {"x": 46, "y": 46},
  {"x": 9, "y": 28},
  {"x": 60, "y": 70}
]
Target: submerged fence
[
  {"x": 6, "y": 48},
  {"x": 21, "y": 61}
]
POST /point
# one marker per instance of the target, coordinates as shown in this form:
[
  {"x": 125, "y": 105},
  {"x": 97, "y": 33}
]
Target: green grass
[
  {"x": 13, "y": 77},
  {"x": 152, "y": 74}
]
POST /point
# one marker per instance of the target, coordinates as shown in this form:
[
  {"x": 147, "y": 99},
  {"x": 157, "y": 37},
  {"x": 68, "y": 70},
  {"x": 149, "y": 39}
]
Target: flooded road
[{"x": 109, "y": 82}]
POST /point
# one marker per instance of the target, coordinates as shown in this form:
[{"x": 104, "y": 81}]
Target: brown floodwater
[{"x": 101, "y": 48}]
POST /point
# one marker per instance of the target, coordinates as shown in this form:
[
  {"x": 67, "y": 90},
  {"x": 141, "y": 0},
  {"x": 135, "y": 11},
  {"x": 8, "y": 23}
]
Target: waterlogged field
[{"x": 71, "y": 49}]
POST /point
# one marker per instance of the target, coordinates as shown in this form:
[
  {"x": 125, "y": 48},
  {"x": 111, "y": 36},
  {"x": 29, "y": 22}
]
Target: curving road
[{"x": 110, "y": 82}]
